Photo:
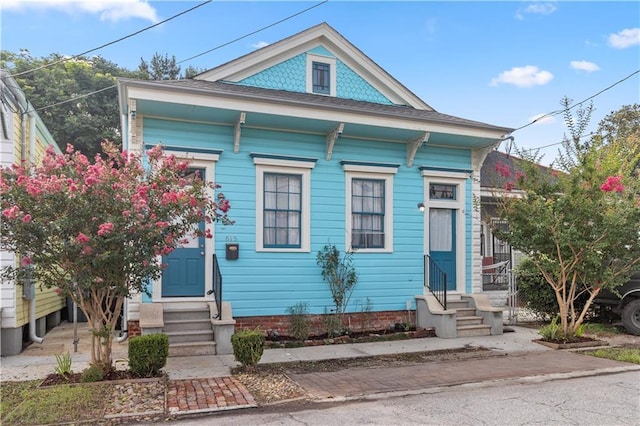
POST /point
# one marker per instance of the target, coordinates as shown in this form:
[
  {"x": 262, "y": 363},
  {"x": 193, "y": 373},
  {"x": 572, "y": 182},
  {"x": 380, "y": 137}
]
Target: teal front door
[
  {"x": 184, "y": 274},
  {"x": 442, "y": 242}
]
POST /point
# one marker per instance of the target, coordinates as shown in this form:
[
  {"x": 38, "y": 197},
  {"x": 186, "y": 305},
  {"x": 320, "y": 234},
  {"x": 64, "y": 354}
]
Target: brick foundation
[
  {"x": 357, "y": 321},
  {"x": 133, "y": 328}
]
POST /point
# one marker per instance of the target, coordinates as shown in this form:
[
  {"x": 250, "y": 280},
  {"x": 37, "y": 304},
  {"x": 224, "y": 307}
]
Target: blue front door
[
  {"x": 184, "y": 274},
  {"x": 442, "y": 242}
]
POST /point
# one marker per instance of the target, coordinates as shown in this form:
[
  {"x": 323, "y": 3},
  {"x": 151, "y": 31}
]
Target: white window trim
[
  {"x": 208, "y": 163},
  {"x": 460, "y": 180},
  {"x": 356, "y": 171},
  {"x": 311, "y": 58},
  {"x": 276, "y": 165}
]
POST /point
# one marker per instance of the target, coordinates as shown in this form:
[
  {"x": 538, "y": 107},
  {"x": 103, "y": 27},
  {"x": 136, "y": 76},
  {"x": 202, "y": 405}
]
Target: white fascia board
[
  {"x": 324, "y": 36},
  {"x": 292, "y": 109}
]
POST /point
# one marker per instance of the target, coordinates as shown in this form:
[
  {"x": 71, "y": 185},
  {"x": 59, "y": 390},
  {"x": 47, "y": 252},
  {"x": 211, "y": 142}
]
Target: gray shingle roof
[{"x": 318, "y": 101}]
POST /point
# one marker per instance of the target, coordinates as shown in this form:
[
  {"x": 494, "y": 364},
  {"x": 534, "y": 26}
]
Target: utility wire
[
  {"x": 112, "y": 42},
  {"x": 210, "y": 50},
  {"x": 254, "y": 32},
  {"x": 560, "y": 111}
]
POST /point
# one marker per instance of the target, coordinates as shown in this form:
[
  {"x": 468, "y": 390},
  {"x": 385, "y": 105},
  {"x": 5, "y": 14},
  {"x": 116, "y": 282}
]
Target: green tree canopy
[
  {"x": 580, "y": 227},
  {"x": 50, "y": 84}
]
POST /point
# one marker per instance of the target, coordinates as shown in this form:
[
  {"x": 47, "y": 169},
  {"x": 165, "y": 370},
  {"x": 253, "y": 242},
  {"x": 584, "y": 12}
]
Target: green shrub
[
  {"x": 299, "y": 322},
  {"x": 248, "y": 346},
  {"x": 536, "y": 293},
  {"x": 148, "y": 354},
  {"x": 92, "y": 374},
  {"x": 553, "y": 331}
]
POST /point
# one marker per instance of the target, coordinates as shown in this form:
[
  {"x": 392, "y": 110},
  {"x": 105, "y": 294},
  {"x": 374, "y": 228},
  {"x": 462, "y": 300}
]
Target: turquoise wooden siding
[
  {"x": 351, "y": 86},
  {"x": 287, "y": 75},
  {"x": 260, "y": 283},
  {"x": 290, "y": 75}
]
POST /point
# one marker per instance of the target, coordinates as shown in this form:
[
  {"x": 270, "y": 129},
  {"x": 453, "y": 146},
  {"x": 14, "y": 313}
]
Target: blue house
[{"x": 314, "y": 144}]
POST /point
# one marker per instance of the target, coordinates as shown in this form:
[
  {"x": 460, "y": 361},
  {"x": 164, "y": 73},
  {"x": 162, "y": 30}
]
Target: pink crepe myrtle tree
[
  {"x": 96, "y": 231},
  {"x": 580, "y": 226}
]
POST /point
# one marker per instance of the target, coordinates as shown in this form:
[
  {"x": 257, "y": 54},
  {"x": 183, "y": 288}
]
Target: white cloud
[
  {"x": 537, "y": 8},
  {"x": 625, "y": 38},
  {"x": 542, "y": 119},
  {"x": 260, "y": 44},
  {"x": 107, "y": 10},
  {"x": 584, "y": 66},
  {"x": 526, "y": 76}
]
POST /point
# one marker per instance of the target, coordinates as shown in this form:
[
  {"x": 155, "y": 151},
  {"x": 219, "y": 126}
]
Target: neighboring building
[
  {"x": 314, "y": 144},
  {"x": 499, "y": 260},
  {"x": 27, "y": 312}
]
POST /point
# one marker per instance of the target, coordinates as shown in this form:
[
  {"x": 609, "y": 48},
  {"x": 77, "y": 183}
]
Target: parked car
[{"x": 626, "y": 303}]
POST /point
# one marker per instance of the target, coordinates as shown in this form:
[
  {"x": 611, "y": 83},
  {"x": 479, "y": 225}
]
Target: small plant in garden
[
  {"x": 63, "y": 365},
  {"x": 367, "y": 314},
  {"x": 332, "y": 324},
  {"x": 340, "y": 274},
  {"x": 148, "y": 354},
  {"x": 92, "y": 374},
  {"x": 299, "y": 322},
  {"x": 248, "y": 346},
  {"x": 553, "y": 331}
]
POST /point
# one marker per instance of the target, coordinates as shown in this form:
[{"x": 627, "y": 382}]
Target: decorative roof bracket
[
  {"x": 331, "y": 139},
  {"x": 413, "y": 145},
  {"x": 238, "y": 130}
]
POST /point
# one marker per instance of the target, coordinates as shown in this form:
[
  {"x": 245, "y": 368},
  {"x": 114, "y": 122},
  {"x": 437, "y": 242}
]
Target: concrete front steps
[
  {"x": 468, "y": 324},
  {"x": 466, "y": 315},
  {"x": 189, "y": 331}
]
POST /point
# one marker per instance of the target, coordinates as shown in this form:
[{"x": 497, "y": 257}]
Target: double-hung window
[
  {"x": 367, "y": 213},
  {"x": 283, "y": 202},
  {"x": 282, "y": 210},
  {"x": 369, "y": 206}
]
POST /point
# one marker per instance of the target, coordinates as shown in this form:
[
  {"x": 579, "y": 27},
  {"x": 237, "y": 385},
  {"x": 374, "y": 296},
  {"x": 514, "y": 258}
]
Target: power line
[
  {"x": 112, "y": 42},
  {"x": 560, "y": 111},
  {"x": 210, "y": 50},
  {"x": 254, "y": 32}
]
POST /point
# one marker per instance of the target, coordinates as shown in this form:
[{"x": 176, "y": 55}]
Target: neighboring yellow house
[{"x": 25, "y": 313}]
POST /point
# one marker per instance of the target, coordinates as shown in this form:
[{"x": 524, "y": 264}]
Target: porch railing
[
  {"x": 435, "y": 279},
  {"x": 217, "y": 286}
]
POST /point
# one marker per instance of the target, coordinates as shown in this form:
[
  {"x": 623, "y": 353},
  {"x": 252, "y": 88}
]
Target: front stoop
[
  {"x": 189, "y": 331},
  {"x": 466, "y": 316}
]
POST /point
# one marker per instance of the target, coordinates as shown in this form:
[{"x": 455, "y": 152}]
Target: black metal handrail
[
  {"x": 217, "y": 286},
  {"x": 435, "y": 279}
]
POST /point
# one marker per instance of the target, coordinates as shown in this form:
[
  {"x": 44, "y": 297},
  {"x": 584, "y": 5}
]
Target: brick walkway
[
  {"x": 205, "y": 395},
  {"x": 357, "y": 382}
]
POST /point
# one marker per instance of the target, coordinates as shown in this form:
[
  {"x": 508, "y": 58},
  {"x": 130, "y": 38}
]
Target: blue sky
[{"x": 502, "y": 62}]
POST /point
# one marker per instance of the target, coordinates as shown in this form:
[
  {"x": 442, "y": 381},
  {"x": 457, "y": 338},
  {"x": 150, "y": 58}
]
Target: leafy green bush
[
  {"x": 552, "y": 332},
  {"x": 92, "y": 374},
  {"x": 536, "y": 293},
  {"x": 299, "y": 322},
  {"x": 248, "y": 346},
  {"x": 148, "y": 354}
]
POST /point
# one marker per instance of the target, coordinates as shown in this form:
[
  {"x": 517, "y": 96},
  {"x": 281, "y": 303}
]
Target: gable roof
[
  {"x": 489, "y": 174},
  {"x": 320, "y": 35}
]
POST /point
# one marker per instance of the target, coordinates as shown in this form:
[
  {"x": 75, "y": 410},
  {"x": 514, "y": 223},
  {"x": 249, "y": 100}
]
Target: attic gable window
[
  {"x": 321, "y": 74},
  {"x": 321, "y": 81}
]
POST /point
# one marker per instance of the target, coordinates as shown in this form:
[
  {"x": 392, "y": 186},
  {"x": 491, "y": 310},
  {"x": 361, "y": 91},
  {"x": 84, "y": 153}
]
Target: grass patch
[
  {"x": 12, "y": 394},
  {"x": 600, "y": 330},
  {"x": 631, "y": 355},
  {"x": 29, "y": 405}
]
